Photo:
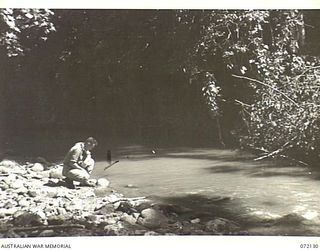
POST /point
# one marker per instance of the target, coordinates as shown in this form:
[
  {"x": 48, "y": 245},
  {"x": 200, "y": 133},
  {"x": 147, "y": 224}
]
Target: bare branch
[{"x": 267, "y": 85}]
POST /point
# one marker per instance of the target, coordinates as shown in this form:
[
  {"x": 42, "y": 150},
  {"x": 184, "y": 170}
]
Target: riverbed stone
[
  {"x": 9, "y": 163},
  {"x": 47, "y": 233},
  {"x": 3, "y": 186},
  {"x": 45, "y": 174},
  {"x": 222, "y": 225},
  {"x": 126, "y": 207},
  {"x": 152, "y": 218},
  {"x": 128, "y": 218},
  {"x": 24, "y": 202},
  {"x": 22, "y": 190},
  {"x": 49, "y": 192},
  {"x": 151, "y": 233},
  {"x": 56, "y": 172},
  {"x": 195, "y": 221},
  {"x": 34, "y": 193},
  {"x": 9, "y": 179},
  {"x": 37, "y": 167},
  {"x": 27, "y": 219},
  {"x": 103, "y": 182},
  {"x": 105, "y": 209},
  {"x": 17, "y": 184},
  {"x": 38, "y": 211}
]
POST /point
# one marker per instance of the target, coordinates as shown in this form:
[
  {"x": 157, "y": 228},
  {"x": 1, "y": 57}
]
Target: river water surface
[{"x": 266, "y": 197}]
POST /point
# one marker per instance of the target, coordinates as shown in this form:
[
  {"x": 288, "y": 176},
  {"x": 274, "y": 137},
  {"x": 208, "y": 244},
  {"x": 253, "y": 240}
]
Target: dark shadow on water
[
  {"x": 223, "y": 169},
  {"x": 208, "y": 208}
]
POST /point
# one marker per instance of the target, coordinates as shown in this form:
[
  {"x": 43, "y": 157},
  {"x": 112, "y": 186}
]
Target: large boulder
[
  {"x": 152, "y": 218},
  {"x": 27, "y": 219}
]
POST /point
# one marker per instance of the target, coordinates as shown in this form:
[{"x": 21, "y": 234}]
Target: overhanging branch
[{"x": 269, "y": 86}]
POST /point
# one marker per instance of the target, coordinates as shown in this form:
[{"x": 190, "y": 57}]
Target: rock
[
  {"x": 44, "y": 174},
  {"x": 7, "y": 211},
  {"x": 21, "y": 191},
  {"x": 3, "y": 186},
  {"x": 43, "y": 161},
  {"x": 27, "y": 219},
  {"x": 50, "y": 211},
  {"x": 106, "y": 209},
  {"x": 10, "y": 204},
  {"x": 115, "y": 229},
  {"x": 38, "y": 212},
  {"x": 139, "y": 232},
  {"x": 61, "y": 211},
  {"x": 130, "y": 186},
  {"x": 47, "y": 233},
  {"x": 88, "y": 194},
  {"x": 17, "y": 184},
  {"x": 136, "y": 215},
  {"x": 128, "y": 218},
  {"x": 34, "y": 193},
  {"x": 112, "y": 198},
  {"x": 222, "y": 225},
  {"x": 9, "y": 164},
  {"x": 18, "y": 213},
  {"x": 150, "y": 233},
  {"x": 56, "y": 220},
  {"x": 194, "y": 221},
  {"x": 24, "y": 203},
  {"x": 37, "y": 167},
  {"x": 49, "y": 192},
  {"x": 152, "y": 218},
  {"x": 103, "y": 182},
  {"x": 111, "y": 221},
  {"x": 93, "y": 181},
  {"x": 102, "y": 191},
  {"x": 92, "y": 218},
  {"x": 126, "y": 207},
  {"x": 9, "y": 179},
  {"x": 56, "y": 173}
]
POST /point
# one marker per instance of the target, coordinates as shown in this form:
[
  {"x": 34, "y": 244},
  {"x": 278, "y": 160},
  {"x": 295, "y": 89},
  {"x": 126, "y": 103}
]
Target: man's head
[{"x": 90, "y": 143}]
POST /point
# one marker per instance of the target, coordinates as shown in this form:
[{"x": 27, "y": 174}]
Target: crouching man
[{"x": 78, "y": 164}]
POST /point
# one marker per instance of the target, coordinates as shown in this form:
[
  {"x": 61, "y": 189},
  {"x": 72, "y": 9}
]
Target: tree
[{"x": 20, "y": 26}]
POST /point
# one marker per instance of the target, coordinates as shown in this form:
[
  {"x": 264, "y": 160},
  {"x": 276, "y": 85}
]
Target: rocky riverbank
[{"x": 35, "y": 203}]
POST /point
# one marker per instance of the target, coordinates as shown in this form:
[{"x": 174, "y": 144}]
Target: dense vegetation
[{"x": 244, "y": 77}]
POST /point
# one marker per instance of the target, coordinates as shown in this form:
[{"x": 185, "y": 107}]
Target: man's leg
[
  {"x": 79, "y": 175},
  {"x": 68, "y": 181}
]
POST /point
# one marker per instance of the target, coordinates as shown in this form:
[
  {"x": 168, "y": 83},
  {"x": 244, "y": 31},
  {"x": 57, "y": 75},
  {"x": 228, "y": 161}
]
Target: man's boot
[
  {"x": 87, "y": 183},
  {"x": 69, "y": 183}
]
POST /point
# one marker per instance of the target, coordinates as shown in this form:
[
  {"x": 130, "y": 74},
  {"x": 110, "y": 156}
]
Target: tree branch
[
  {"x": 315, "y": 67},
  {"x": 267, "y": 85}
]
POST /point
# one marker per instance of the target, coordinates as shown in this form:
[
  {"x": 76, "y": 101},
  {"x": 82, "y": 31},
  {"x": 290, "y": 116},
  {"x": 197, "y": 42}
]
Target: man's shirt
[{"x": 75, "y": 156}]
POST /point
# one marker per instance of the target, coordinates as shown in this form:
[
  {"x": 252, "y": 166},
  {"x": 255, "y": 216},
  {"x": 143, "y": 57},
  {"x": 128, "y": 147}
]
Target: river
[{"x": 265, "y": 197}]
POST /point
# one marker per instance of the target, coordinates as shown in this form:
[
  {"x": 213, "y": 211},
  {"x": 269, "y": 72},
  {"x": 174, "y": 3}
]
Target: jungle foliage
[{"x": 254, "y": 72}]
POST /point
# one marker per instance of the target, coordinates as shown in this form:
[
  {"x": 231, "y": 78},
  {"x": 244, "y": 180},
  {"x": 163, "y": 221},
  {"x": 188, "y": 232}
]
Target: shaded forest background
[{"x": 163, "y": 77}]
